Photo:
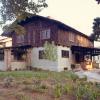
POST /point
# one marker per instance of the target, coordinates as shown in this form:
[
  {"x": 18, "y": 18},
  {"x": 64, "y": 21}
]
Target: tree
[
  {"x": 19, "y": 10},
  {"x": 98, "y": 1},
  {"x": 50, "y": 51},
  {"x": 96, "y": 29},
  {"x": 11, "y": 9}
]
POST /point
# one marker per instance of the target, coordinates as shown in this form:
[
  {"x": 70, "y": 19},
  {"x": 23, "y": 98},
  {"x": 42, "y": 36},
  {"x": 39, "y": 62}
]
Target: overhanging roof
[
  {"x": 17, "y": 47},
  {"x": 58, "y": 23},
  {"x": 85, "y": 50}
]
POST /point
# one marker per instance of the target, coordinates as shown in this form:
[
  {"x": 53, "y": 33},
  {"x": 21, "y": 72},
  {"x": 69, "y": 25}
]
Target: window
[
  {"x": 41, "y": 53},
  {"x": 1, "y": 55},
  {"x": 98, "y": 57},
  {"x": 45, "y": 34},
  {"x": 20, "y": 38},
  {"x": 71, "y": 37},
  {"x": 65, "y": 54}
]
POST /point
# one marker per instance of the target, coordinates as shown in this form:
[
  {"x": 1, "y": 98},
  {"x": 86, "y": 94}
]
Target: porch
[
  {"x": 16, "y": 58},
  {"x": 83, "y": 56}
]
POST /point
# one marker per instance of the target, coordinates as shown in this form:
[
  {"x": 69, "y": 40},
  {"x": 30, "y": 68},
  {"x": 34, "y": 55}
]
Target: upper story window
[
  {"x": 45, "y": 34},
  {"x": 20, "y": 38},
  {"x": 71, "y": 37}
]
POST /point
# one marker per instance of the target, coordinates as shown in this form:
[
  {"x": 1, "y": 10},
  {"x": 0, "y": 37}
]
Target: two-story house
[{"x": 72, "y": 45}]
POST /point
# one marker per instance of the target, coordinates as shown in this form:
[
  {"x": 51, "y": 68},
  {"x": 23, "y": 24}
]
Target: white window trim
[{"x": 45, "y": 34}]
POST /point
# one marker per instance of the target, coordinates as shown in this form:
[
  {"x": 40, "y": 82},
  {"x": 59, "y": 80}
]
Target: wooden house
[{"x": 72, "y": 45}]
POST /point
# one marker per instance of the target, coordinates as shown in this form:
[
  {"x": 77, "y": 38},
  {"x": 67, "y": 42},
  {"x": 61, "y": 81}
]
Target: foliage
[
  {"x": 58, "y": 90},
  {"x": 11, "y": 9},
  {"x": 8, "y": 81},
  {"x": 50, "y": 51},
  {"x": 14, "y": 27},
  {"x": 68, "y": 88},
  {"x": 98, "y": 1},
  {"x": 22, "y": 96},
  {"x": 41, "y": 88},
  {"x": 86, "y": 91},
  {"x": 96, "y": 30},
  {"x": 56, "y": 84},
  {"x": 19, "y": 10}
]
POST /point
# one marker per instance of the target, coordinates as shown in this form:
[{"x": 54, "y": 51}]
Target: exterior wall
[
  {"x": 64, "y": 39},
  {"x": 97, "y": 59},
  {"x": 64, "y": 62},
  {"x": 18, "y": 65},
  {"x": 58, "y": 65},
  {"x": 33, "y": 30},
  {"x": 8, "y": 44},
  {"x": 42, "y": 63},
  {"x": 2, "y": 66},
  {"x": 7, "y": 58}
]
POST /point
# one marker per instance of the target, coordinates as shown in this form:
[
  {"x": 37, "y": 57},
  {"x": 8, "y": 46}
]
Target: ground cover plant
[{"x": 46, "y": 85}]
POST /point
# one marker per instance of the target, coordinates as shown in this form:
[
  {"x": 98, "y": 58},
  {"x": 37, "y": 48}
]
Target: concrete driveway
[{"x": 92, "y": 75}]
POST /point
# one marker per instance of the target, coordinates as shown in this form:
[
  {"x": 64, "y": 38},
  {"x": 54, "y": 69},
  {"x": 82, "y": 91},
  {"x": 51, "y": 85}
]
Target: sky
[{"x": 78, "y": 14}]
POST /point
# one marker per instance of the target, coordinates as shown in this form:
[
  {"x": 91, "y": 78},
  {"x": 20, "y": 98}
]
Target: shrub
[
  {"x": 27, "y": 82},
  {"x": 74, "y": 77},
  {"x": 86, "y": 91},
  {"x": 58, "y": 91},
  {"x": 68, "y": 88},
  {"x": 8, "y": 81},
  {"x": 22, "y": 96},
  {"x": 35, "y": 88}
]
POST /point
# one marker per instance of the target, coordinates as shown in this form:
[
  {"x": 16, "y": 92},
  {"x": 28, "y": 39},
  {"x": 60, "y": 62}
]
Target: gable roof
[{"x": 58, "y": 23}]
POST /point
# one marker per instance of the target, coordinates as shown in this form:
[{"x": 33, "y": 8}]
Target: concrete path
[{"x": 93, "y": 75}]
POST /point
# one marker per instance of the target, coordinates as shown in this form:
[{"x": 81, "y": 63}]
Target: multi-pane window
[
  {"x": 45, "y": 34},
  {"x": 65, "y": 54},
  {"x": 71, "y": 37},
  {"x": 41, "y": 54},
  {"x": 1, "y": 55},
  {"x": 20, "y": 38}
]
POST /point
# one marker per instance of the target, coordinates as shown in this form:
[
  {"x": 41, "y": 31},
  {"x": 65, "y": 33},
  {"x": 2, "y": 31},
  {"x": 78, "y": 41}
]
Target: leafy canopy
[
  {"x": 98, "y": 1},
  {"x": 96, "y": 29},
  {"x": 11, "y": 9},
  {"x": 19, "y": 10},
  {"x": 50, "y": 51}
]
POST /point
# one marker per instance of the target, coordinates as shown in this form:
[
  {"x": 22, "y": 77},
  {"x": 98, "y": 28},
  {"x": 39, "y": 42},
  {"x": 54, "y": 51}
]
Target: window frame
[
  {"x": 71, "y": 37},
  {"x": 45, "y": 34},
  {"x": 64, "y": 53},
  {"x": 20, "y": 39},
  {"x": 40, "y": 56}
]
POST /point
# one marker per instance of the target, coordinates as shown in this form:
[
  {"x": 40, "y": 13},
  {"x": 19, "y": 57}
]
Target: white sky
[{"x": 78, "y": 14}]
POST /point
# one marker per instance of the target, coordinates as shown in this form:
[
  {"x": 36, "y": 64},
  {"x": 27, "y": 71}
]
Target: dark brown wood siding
[
  {"x": 78, "y": 40},
  {"x": 58, "y": 35},
  {"x": 33, "y": 30}
]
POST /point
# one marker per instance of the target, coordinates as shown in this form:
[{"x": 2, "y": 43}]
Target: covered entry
[
  {"x": 84, "y": 55},
  {"x": 17, "y": 58}
]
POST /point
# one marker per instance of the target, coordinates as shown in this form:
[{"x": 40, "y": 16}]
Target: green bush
[
  {"x": 22, "y": 96},
  {"x": 68, "y": 88},
  {"x": 35, "y": 88},
  {"x": 58, "y": 90},
  {"x": 86, "y": 91},
  {"x": 8, "y": 81}
]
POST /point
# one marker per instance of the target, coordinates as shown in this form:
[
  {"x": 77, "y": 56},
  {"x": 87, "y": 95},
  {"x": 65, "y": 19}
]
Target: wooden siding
[
  {"x": 64, "y": 39},
  {"x": 58, "y": 35},
  {"x": 33, "y": 30}
]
